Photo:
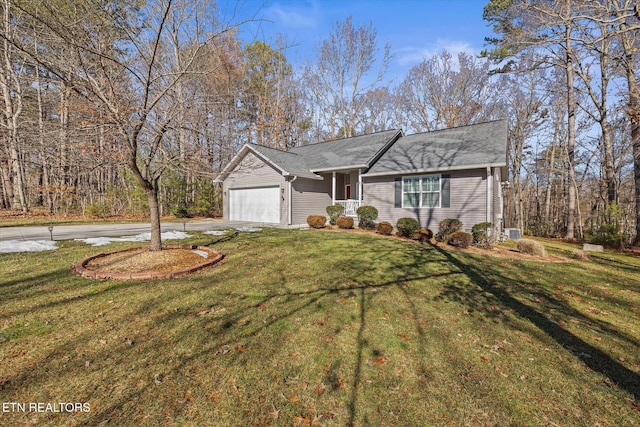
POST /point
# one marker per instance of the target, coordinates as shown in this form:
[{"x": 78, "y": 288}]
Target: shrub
[
  {"x": 96, "y": 210},
  {"x": 482, "y": 237},
  {"x": 179, "y": 211},
  {"x": 579, "y": 255},
  {"x": 531, "y": 247},
  {"x": 423, "y": 235},
  {"x": 366, "y": 216},
  {"x": 460, "y": 239},
  {"x": 334, "y": 212},
  {"x": 316, "y": 221},
  {"x": 384, "y": 228},
  {"x": 407, "y": 226},
  {"x": 345, "y": 222},
  {"x": 446, "y": 228}
]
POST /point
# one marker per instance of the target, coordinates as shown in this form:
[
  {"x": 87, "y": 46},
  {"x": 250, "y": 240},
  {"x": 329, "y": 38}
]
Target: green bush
[
  {"x": 531, "y": 247},
  {"x": 345, "y": 222},
  {"x": 460, "y": 239},
  {"x": 607, "y": 235},
  {"x": 179, "y": 211},
  {"x": 423, "y": 235},
  {"x": 316, "y": 221},
  {"x": 366, "y": 216},
  {"x": 384, "y": 228},
  {"x": 407, "y": 226},
  {"x": 482, "y": 236},
  {"x": 446, "y": 228},
  {"x": 334, "y": 212},
  {"x": 96, "y": 210}
]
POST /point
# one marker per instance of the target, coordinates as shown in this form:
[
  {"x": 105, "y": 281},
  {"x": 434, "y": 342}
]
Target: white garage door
[{"x": 255, "y": 204}]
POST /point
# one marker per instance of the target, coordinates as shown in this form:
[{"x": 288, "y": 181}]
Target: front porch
[{"x": 346, "y": 190}]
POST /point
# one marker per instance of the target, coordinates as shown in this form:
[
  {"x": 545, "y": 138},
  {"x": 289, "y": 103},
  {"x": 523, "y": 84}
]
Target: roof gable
[
  {"x": 358, "y": 152},
  {"x": 465, "y": 147},
  {"x": 285, "y": 162}
]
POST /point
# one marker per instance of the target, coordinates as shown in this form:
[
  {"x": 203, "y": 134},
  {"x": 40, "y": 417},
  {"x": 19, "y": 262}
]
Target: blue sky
[{"x": 415, "y": 29}]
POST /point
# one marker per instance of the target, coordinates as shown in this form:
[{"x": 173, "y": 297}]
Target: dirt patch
[
  {"x": 142, "y": 260},
  {"x": 140, "y": 263},
  {"x": 508, "y": 253}
]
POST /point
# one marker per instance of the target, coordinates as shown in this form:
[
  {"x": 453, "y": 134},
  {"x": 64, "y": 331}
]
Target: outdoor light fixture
[{"x": 50, "y": 231}]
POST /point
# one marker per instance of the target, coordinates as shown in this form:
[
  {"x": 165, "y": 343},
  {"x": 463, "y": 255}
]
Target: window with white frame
[{"x": 421, "y": 191}]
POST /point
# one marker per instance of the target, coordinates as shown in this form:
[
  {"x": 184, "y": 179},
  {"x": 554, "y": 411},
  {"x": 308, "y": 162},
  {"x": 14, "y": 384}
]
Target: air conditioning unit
[{"x": 512, "y": 233}]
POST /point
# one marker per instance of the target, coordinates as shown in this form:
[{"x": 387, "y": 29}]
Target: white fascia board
[
  {"x": 344, "y": 168},
  {"x": 432, "y": 170}
]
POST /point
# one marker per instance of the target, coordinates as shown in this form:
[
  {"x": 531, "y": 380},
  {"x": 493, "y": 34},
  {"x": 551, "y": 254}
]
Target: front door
[{"x": 347, "y": 192}]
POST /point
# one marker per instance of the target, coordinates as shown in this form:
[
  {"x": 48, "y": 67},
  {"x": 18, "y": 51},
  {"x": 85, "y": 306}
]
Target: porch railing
[{"x": 350, "y": 206}]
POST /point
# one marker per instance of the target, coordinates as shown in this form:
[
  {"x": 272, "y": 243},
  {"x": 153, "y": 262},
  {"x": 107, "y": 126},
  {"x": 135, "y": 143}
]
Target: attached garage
[{"x": 258, "y": 204}]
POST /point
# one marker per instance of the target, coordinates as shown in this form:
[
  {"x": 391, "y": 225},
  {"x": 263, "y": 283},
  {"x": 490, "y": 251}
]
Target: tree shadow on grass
[{"x": 490, "y": 299}]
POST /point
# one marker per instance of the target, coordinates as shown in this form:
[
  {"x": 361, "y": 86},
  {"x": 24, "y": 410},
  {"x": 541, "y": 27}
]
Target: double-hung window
[{"x": 421, "y": 191}]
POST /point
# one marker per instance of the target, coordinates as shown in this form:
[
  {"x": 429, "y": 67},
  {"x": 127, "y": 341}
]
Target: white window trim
[{"x": 439, "y": 176}]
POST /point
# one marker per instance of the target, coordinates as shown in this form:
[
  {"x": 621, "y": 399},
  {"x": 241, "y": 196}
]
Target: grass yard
[{"x": 305, "y": 327}]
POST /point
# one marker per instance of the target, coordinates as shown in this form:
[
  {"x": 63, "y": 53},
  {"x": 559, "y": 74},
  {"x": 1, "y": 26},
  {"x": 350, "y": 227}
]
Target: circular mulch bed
[{"x": 140, "y": 263}]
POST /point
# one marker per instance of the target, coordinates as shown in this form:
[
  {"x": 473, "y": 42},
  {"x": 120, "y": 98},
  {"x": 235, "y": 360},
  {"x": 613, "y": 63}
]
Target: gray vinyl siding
[
  {"x": 252, "y": 172},
  {"x": 468, "y": 200},
  {"x": 310, "y": 197}
]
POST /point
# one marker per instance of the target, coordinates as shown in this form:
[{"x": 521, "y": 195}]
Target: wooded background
[{"x": 111, "y": 107}]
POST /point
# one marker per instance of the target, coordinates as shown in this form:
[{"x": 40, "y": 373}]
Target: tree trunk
[
  {"x": 571, "y": 137},
  {"x": 634, "y": 115},
  {"x": 154, "y": 213}
]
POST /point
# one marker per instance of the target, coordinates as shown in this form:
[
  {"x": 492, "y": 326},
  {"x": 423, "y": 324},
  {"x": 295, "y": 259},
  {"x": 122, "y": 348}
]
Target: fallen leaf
[
  {"x": 275, "y": 414},
  {"x": 241, "y": 349},
  {"x": 380, "y": 360},
  {"x": 319, "y": 390},
  {"x": 403, "y": 337},
  {"x": 294, "y": 399}
]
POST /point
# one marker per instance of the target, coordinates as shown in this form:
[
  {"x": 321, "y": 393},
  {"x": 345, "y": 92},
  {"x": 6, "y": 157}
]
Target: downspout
[
  {"x": 489, "y": 194},
  {"x": 290, "y": 219}
]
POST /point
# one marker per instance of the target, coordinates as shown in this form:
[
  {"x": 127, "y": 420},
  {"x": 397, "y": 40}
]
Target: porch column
[
  {"x": 333, "y": 189},
  {"x": 360, "y": 198},
  {"x": 489, "y": 194}
]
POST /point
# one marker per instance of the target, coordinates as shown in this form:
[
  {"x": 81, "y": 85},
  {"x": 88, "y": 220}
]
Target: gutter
[{"x": 431, "y": 170}]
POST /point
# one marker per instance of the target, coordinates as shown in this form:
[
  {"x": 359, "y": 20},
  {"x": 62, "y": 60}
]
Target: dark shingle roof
[
  {"x": 464, "y": 147},
  {"x": 389, "y": 152},
  {"x": 349, "y": 153},
  {"x": 289, "y": 163}
]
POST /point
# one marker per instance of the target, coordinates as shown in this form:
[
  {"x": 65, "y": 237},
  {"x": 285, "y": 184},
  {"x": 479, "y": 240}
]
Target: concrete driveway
[{"x": 69, "y": 232}]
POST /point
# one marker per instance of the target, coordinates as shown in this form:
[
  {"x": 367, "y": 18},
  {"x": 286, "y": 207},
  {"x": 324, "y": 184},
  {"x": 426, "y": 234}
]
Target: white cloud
[
  {"x": 300, "y": 16},
  {"x": 412, "y": 55},
  {"x": 28, "y": 246}
]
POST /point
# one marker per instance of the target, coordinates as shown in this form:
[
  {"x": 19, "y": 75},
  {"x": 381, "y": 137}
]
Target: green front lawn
[{"x": 301, "y": 326}]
